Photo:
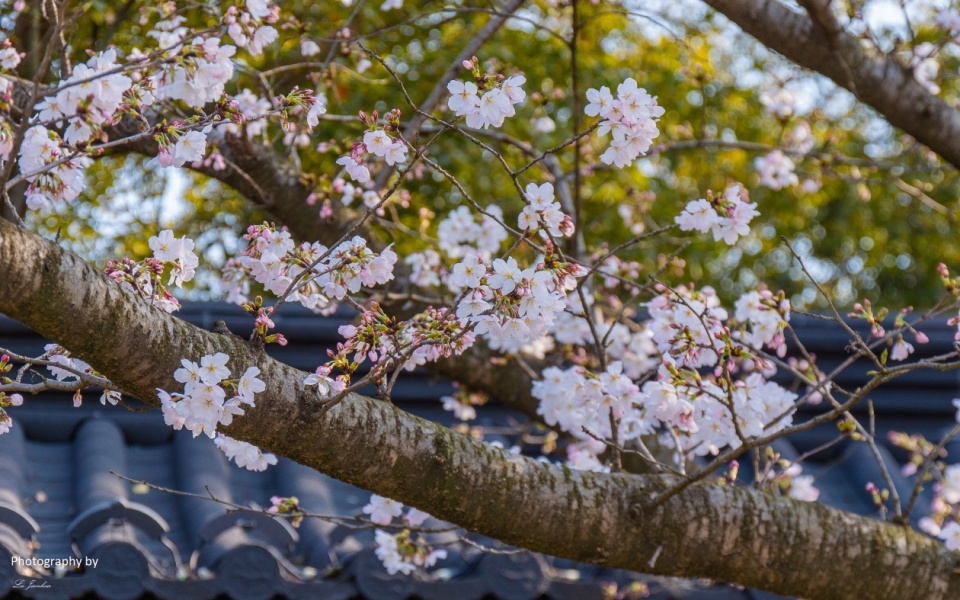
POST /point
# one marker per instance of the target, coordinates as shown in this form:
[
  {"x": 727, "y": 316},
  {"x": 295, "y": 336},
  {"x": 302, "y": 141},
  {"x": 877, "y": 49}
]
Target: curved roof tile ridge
[
  {"x": 17, "y": 528},
  {"x": 109, "y": 523}
]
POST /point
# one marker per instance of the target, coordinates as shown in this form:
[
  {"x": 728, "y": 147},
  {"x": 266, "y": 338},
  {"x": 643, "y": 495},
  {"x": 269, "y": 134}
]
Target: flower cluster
[
  {"x": 459, "y": 234},
  {"x": 425, "y": 337},
  {"x": 780, "y": 101},
  {"x": 776, "y": 170},
  {"x": 581, "y": 403},
  {"x": 88, "y": 99},
  {"x": 189, "y": 147},
  {"x": 489, "y": 101},
  {"x": 201, "y": 71},
  {"x": 689, "y": 331},
  {"x": 178, "y": 251},
  {"x": 426, "y": 268},
  {"x": 248, "y": 28},
  {"x": 766, "y": 314},
  {"x": 400, "y": 553},
  {"x": 705, "y": 415},
  {"x": 801, "y": 486},
  {"x": 689, "y": 326},
  {"x": 204, "y": 405},
  {"x": 727, "y": 216},
  {"x": 693, "y": 329},
  {"x": 70, "y": 368},
  {"x": 404, "y": 553},
  {"x": 7, "y": 400},
  {"x": 250, "y": 104},
  {"x": 543, "y": 212},
  {"x": 434, "y": 334},
  {"x": 512, "y": 306},
  {"x": 789, "y": 481},
  {"x": 632, "y": 345},
  {"x": 379, "y": 143},
  {"x": 247, "y": 456},
  {"x": 288, "y": 506},
  {"x": 54, "y": 172},
  {"x": 376, "y": 141},
  {"x": 924, "y": 64},
  {"x": 145, "y": 278},
  {"x": 631, "y": 117},
  {"x": 927, "y": 458},
  {"x": 310, "y": 274}
]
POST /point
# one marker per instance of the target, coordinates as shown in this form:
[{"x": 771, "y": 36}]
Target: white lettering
[{"x": 70, "y": 563}]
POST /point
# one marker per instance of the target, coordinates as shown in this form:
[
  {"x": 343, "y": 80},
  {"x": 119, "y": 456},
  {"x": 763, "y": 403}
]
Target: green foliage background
[{"x": 882, "y": 219}]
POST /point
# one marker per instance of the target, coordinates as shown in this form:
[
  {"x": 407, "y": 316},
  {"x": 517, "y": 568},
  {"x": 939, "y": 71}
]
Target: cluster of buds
[
  {"x": 143, "y": 279},
  {"x": 865, "y": 311},
  {"x": 138, "y": 97},
  {"x": 878, "y": 496},
  {"x": 289, "y": 507},
  {"x": 244, "y": 25},
  {"x": 7, "y": 400},
  {"x": 730, "y": 477},
  {"x": 483, "y": 79},
  {"x": 950, "y": 284},
  {"x": 919, "y": 449},
  {"x": 375, "y": 337},
  {"x": 437, "y": 333},
  {"x": 263, "y": 323},
  {"x": 372, "y": 120},
  {"x": 808, "y": 369},
  {"x": 229, "y": 108},
  {"x": 299, "y": 101},
  {"x": 404, "y": 552}
]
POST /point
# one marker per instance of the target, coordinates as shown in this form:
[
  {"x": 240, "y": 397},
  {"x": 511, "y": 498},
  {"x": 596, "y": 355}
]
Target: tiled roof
[{"x": 56, "y": 488}]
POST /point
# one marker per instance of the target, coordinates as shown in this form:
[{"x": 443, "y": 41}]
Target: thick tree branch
[
  {"x": 723, "y": 532},
  {"x": 876, "y": 79},
  {"x": 257, "y": 172},
  {"x": 253, "y": 169}
]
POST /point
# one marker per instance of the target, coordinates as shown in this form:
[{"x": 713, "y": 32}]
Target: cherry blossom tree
[{"x": 459, "y": 209}]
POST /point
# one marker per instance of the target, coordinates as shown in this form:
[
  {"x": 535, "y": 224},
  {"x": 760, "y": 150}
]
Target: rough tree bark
[
  {"x": 816, "y": 41},
  {"x": 709, "y": 530}
]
